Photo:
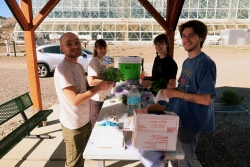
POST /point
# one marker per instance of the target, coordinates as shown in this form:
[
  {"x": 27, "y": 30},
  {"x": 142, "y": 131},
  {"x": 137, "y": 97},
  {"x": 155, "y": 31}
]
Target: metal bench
[{"x": 12, "y": 108}]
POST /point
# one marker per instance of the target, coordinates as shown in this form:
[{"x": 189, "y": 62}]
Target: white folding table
[{"x": 103, "y": 154}]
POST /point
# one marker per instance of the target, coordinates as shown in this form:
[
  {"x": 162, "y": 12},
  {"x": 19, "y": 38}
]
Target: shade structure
[{"x": 28, "y": 23}]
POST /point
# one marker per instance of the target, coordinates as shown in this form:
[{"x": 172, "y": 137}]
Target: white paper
[
  {"x": 151, "y": 158},
  {"x": 148, "y": 158},
  {"x": 160, "y": 96}
]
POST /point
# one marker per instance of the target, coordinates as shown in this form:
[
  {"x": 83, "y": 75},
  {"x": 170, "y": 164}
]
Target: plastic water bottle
[{"x": 134, "y": 100}]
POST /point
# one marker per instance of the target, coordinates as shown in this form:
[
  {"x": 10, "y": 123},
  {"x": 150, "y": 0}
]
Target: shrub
[{"x": 231, "y": 97}]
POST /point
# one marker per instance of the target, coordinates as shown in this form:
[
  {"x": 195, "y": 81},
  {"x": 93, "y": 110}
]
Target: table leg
[
  {"x": 167, "y": 165},
  {"x": 101, "y": 163}
]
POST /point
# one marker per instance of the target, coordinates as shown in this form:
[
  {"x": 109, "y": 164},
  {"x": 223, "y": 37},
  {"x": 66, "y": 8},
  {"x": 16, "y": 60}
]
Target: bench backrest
[{"x": 13, "y": 107}]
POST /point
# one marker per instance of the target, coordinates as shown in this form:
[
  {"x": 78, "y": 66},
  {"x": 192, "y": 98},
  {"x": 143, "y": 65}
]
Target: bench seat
[{"x": 12, "y": 108}]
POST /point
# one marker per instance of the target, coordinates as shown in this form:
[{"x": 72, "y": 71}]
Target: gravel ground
[{"x": 227, "y": 146}]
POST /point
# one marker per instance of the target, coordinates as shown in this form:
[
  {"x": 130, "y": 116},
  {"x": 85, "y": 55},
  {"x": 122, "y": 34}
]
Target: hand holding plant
[
  {"x": 112, "y": 74},
  {"x": 157, "y": 85}
]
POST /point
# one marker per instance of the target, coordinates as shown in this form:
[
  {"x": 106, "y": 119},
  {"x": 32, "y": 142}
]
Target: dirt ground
[
  {"x": 231, "y": 61},
  {"x": 227, "y": 146}
]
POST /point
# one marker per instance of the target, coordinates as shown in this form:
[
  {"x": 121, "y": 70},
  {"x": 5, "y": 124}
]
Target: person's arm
[
  {"x": 173, "y": 72},
  {"x": 204, "y": 99},
  {"x": 94, "y": 69},
  {"x": 148, "y": 78},
  {"x": 93, "y": 80},
  {"x": 171, "y": 83},
  {"x": 146, "y": 83},
  {"x": 79, "y": 98}
]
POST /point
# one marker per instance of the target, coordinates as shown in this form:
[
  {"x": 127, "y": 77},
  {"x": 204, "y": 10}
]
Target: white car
[{"x": 50, "y": 55}]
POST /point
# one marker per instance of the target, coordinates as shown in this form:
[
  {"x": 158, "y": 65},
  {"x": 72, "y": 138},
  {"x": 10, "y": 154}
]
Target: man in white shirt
[{"x": 73, "y": 93}]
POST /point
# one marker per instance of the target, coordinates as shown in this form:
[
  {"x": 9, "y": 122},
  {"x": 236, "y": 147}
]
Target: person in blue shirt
[{"x": 193, "y": 99}]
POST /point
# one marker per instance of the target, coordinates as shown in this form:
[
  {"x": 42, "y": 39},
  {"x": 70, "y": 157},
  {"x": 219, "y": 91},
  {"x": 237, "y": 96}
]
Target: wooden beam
[
  {"x": 44, "y": 12},
  {"x": 35, "y": 90},
  {"x": 170, "y": 32},
  {"x": 26, "y": 7},
  {"x": 170, "y": 35},
  {"x": 30, "y": 48},
  {"x": 18, "y": 14},
  {"x": 174, "y": 13},
  {"x": 147, "y": 5},
  {"x": 24, "y": 17}
]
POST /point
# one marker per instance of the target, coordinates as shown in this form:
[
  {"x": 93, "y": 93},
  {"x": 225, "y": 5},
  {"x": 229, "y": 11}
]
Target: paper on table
[
  {"x": 152, "y": 158},
  {"x": 148, "y": 158},
  {"x": 160, "y": 96}
]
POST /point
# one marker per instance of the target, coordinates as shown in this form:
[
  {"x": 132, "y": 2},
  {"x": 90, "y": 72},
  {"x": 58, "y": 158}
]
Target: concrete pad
[
  {"x": 22, "y": 163},
  {"x": 222, "y": 108},
  {"x": 40, "y": 149}
]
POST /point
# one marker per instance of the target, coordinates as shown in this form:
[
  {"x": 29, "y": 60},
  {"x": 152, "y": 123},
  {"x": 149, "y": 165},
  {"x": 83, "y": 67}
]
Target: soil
[{"x": 227, "y": 146}]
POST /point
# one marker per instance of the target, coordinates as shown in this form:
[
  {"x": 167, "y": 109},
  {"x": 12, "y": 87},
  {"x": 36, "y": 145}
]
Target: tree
[{"x": 1, "y": 17}]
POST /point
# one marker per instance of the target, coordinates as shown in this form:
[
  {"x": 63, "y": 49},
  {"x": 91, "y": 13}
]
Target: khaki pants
[{"x": 76, "y": 141}]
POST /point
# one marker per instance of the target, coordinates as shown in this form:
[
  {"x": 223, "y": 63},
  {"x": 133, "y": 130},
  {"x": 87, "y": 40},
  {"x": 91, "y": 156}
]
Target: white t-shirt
[
  {"x": 70, "y": 74},
  {"x": 96, "y": 68}
]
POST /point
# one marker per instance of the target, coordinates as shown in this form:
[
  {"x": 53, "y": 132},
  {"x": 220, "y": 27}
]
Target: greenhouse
[{"x": 128, "y": 21}]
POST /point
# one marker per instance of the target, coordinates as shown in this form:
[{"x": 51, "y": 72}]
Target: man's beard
[
  {"x": 73, "y": 56},
  {"x": 192, "y": 48}
]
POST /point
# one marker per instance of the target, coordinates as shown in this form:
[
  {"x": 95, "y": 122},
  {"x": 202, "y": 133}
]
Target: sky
[{"x": 4, "y": 9}]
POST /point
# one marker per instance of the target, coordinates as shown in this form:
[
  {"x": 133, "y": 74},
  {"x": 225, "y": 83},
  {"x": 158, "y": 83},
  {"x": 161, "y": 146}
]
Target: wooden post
[
  {"x": 171, "y": 34},
  {"x": 24, "y": 17},
  {"x": 14, "y": 47},
  {"x": 7, "y": 47},
  {"x": 35, "y": 90}
]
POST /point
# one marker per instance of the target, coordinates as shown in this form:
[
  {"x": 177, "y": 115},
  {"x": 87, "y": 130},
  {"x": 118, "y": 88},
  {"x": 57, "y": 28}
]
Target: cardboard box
[
  {"x": 155, "y": 131},
  {"x": 106, "y": 136}
]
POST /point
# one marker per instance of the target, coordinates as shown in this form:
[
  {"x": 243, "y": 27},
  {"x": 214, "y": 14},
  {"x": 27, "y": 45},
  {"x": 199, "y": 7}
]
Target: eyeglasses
[
  {"x": 188, "y": 36},
  {"x": 71, "y": 44},
  {"x": 159, "y": 43}
]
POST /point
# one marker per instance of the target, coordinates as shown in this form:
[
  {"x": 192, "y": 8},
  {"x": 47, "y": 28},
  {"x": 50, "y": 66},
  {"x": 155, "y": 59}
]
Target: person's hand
[
  {"x": 104, "y": 85},
  {"x": 146, "y": 83},
  {"x": 169, "y": 93}
]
